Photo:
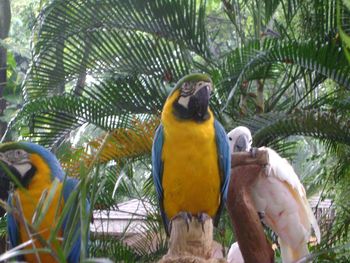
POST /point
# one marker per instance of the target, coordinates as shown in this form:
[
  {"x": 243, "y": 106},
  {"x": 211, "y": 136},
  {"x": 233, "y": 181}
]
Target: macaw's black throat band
[
  {"x": 25, "y": 180},
  {"x": 197, "y": 107}
]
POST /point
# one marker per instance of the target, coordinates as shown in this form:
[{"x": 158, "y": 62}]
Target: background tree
[{"x": 5, "y": 20}]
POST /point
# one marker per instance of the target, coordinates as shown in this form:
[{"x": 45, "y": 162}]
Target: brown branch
[{"x": 245, "y": 220}]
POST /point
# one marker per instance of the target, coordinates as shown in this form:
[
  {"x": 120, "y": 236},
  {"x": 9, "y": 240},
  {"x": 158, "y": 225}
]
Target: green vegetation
[{"x": 98, "y": 73}]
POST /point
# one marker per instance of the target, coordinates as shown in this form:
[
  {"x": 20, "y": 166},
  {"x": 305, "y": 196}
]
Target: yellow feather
[
  {"x": 191, "y": 178},
  {"x": 29, "y": 200}
]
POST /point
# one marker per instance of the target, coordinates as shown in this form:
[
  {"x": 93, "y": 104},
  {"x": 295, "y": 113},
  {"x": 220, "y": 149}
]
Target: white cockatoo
[
  {"x": 280, "y": 199},
  {"x": 234, "y": 255}
]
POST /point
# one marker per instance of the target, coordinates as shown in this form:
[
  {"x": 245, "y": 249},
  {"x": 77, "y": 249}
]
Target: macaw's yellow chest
[
  {"x": 29, "y": 201},
  {"x": 191, "y": 177}
]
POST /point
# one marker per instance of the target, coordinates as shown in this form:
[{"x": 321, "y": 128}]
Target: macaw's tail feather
[{"x": 290, "y": 255}]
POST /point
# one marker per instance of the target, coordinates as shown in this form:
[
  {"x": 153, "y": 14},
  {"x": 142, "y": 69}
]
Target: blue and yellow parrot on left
[
  {"x": 190, "y": 154},
  {"x": 36, "y": 168}
]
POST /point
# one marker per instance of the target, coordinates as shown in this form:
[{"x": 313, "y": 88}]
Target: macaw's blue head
[
  {"x": 24, "y": 160},
  {"x": 192, "y": 97}
]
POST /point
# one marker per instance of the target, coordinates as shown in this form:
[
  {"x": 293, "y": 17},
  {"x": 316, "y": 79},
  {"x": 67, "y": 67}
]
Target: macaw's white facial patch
[
  {"x": 18, "y": 159},
  {"x": 23, "y": 168},
  {"x": 184, "y": 101},
  {"x": 16, "y": 156},
  {"x": 188, "y": 89}
]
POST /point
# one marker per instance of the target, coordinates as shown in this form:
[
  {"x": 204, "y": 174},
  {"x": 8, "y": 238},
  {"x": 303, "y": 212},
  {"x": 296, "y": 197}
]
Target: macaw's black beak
[{"x": 199, "y": 104}]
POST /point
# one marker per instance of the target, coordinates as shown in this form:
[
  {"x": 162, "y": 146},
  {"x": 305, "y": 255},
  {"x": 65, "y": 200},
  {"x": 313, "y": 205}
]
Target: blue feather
[
  {"x": 12, "y": 226},
  {"x": 224, "y": 155},
  {"x": 157, "y": 171}
]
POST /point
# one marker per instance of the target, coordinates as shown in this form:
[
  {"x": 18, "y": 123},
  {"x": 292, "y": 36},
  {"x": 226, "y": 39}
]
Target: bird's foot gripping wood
[
  {"x": 191, "y": 240},
  {"x": 261, "y": 215},
  {"x": 253, "y": 152},
  {"x": 187, "y": 217},
  {"x": 202, "y": 217}
]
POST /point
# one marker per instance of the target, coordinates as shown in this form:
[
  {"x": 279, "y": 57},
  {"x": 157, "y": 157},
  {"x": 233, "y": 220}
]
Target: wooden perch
[
  {"x": 251, "y": 238},
  {"x": 191, "y": 244},
  {"x": 245, "y": 158}
]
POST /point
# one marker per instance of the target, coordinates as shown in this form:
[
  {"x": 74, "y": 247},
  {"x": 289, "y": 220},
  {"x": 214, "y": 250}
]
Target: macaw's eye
[
  {"x": 230, "y": 138},
  {"x": 15, "y": 156},
  {"x": 187, "y": 89},
  {"x": 186, "y": 86}
]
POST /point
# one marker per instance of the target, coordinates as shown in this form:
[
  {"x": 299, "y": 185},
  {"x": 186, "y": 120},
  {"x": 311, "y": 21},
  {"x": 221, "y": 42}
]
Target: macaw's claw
[
  {"x": 185, "y": 216},
  {"x": 253, "y": 151},
  {"x": 202, "y": 217},
  {"x": 261, "y": 215}
]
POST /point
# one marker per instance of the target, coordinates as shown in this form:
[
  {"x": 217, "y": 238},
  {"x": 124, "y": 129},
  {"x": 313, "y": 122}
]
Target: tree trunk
[
  {"x": 79, "y": 87},
  {"x": 260, "y": 107},
  {"x": 245, "y": 220},
  {"x": 191, "y": 243},
  {"x": 5, "y": 20}
]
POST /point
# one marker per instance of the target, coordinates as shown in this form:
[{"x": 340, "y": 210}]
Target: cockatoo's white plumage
[
  {"x": 234, "y": 255},
  {"x": 281, "y": 197}
]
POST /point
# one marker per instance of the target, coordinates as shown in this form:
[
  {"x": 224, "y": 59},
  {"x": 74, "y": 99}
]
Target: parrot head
[
  {"x": 240, "y": 139},
  {"x": 24, "y": 159},
  {"x": 192, "y": 102}
]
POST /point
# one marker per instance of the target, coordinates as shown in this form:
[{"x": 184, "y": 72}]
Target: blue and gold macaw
[
  {"x": 35, "y": 169},
  {"x": 190, "y": 154}
]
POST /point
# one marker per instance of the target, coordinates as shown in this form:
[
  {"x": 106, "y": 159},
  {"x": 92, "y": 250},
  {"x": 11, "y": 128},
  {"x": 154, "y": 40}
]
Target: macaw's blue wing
[
  {"x": 224, "y": 155},
  {"x": 157, "y": 171},
  {"x": 12, "y": 228},
  {"x": 71, "y": 223}
]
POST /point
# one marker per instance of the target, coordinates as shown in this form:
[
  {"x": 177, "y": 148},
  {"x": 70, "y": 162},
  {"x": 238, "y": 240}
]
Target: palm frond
[
  {"x": 343, "y": 16},
  {"x": 121, "y": 37},
  {"x": 318, "y": 19},
  {"x": 132, "y": 94},
  {"x": 109, "y": 104},
  {"x": 271, "y": 127},
  {"x": 52, "y": 118},
  {"x": 179, "y": 21},
  {"x": 324, "y": 58}
]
